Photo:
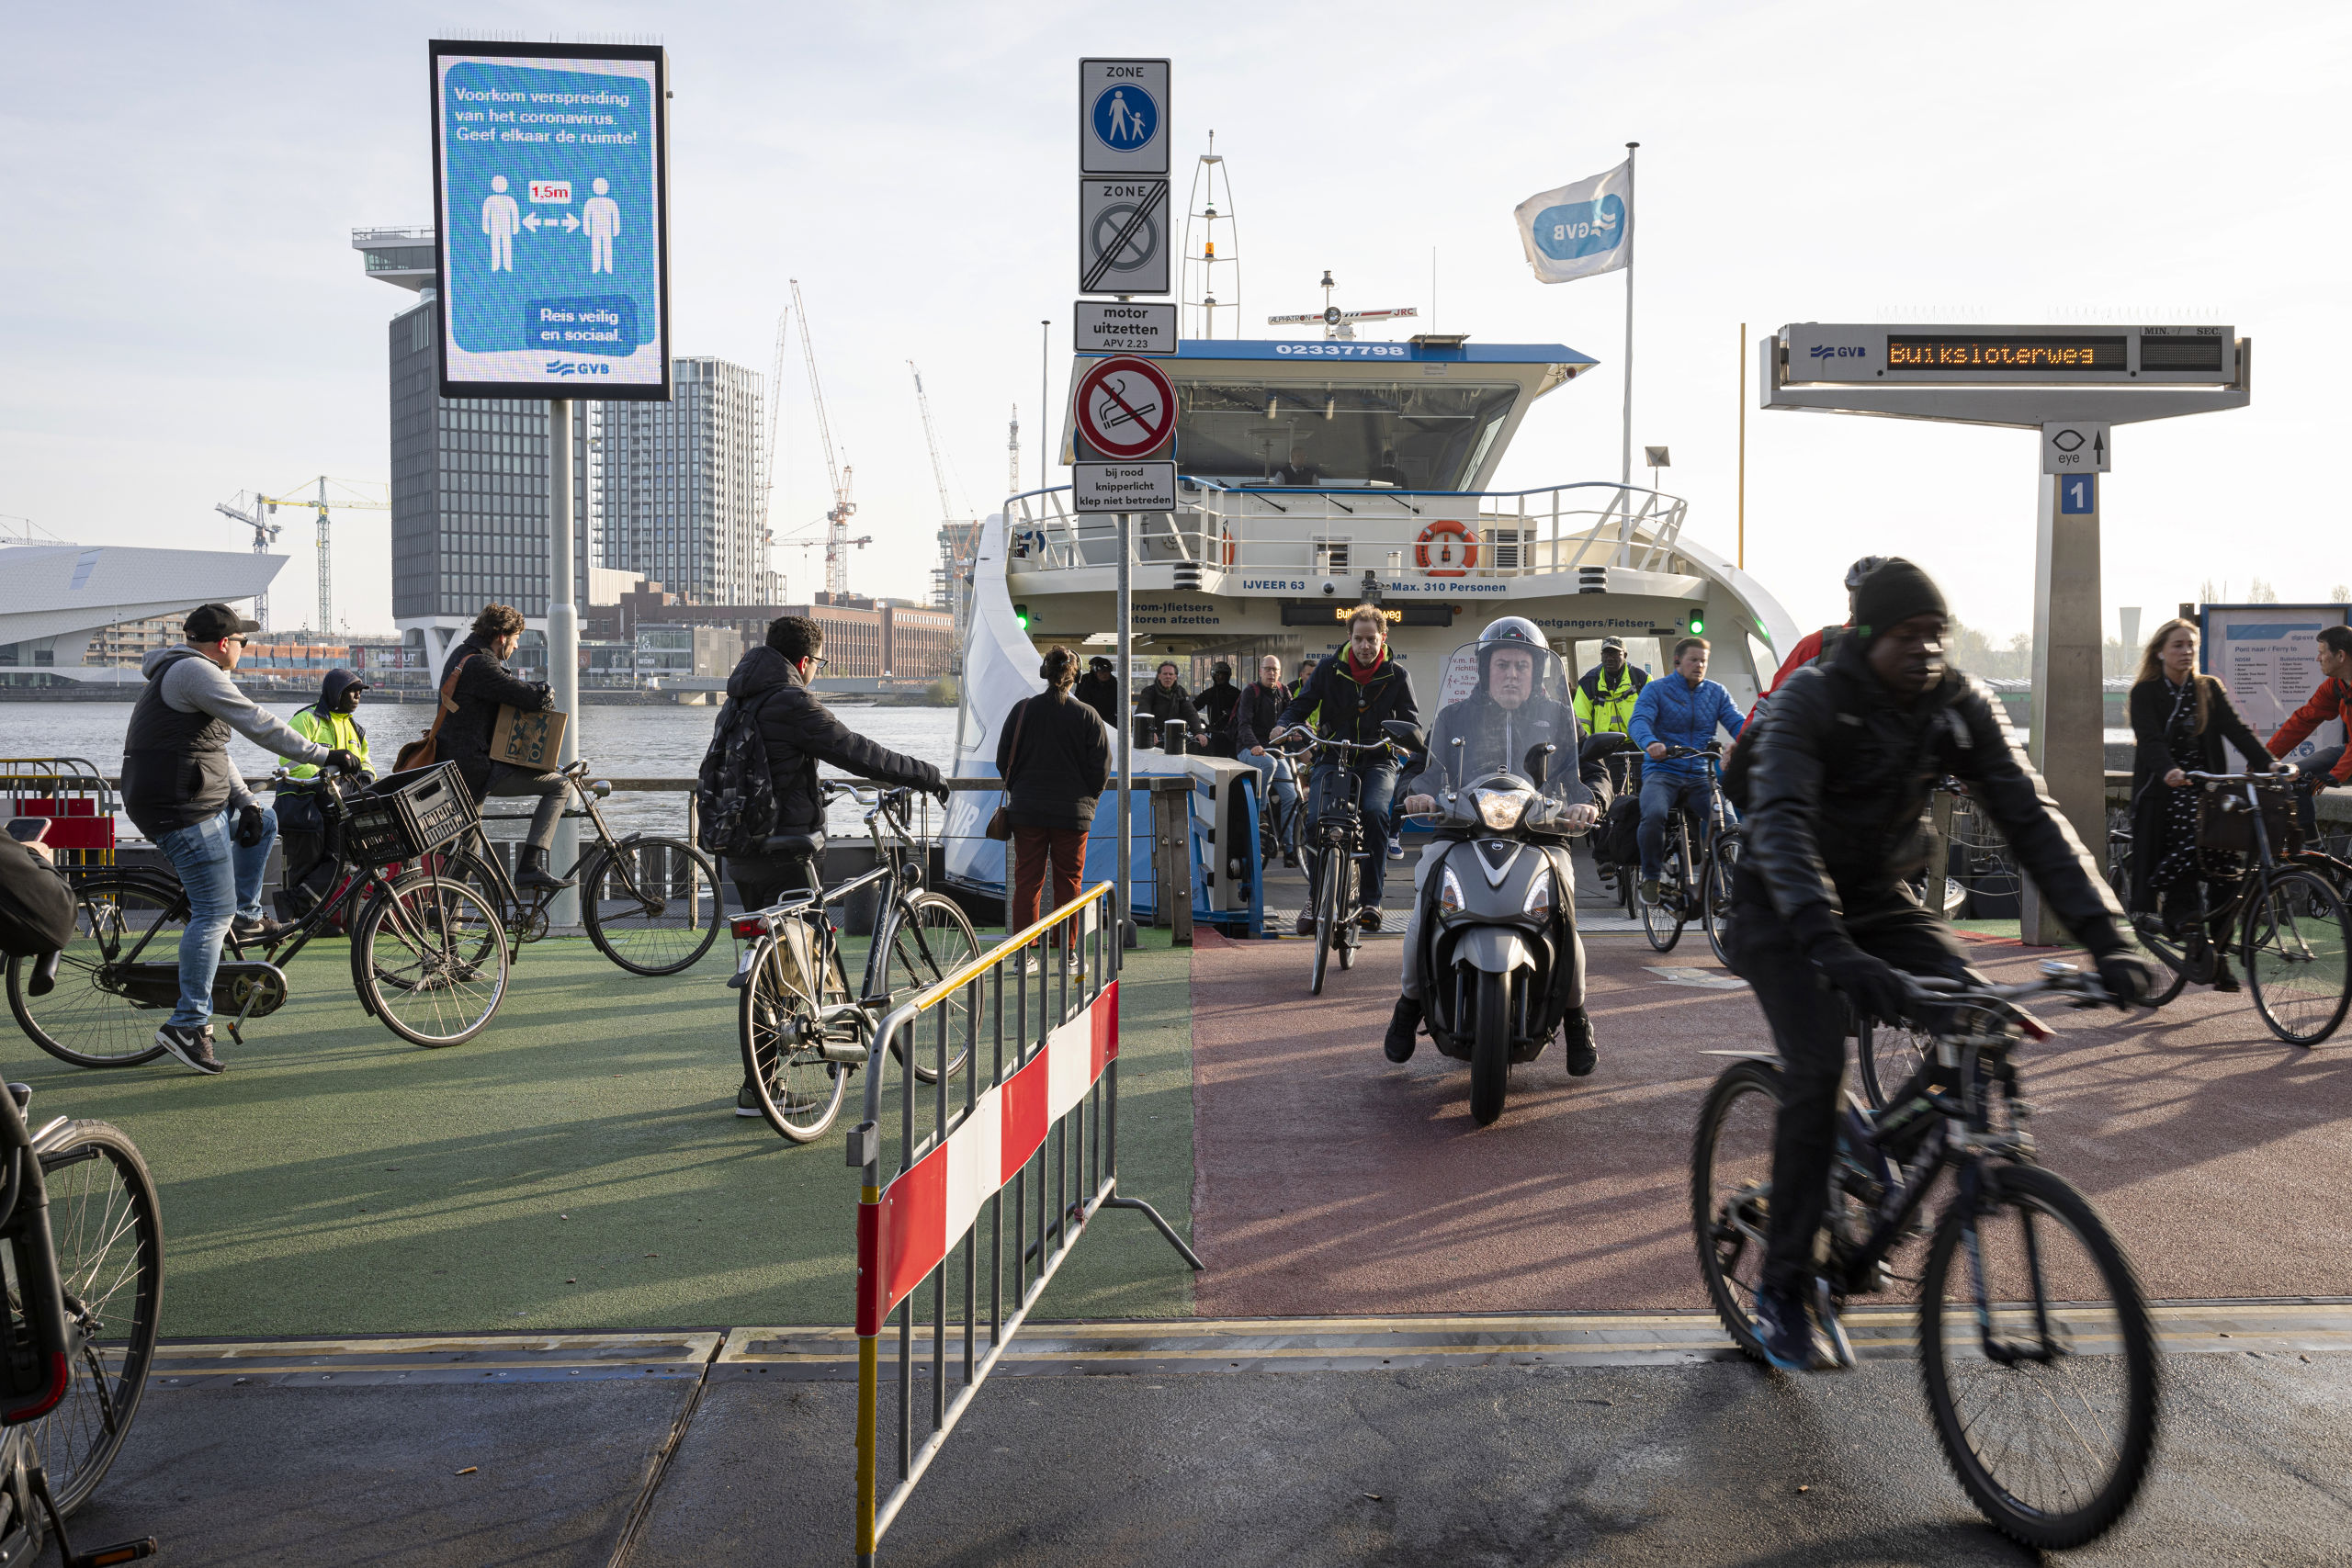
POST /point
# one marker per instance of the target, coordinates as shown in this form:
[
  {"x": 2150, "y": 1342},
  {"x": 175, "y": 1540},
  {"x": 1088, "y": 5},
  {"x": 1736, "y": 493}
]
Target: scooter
[{"x": 1495, "y": 939}]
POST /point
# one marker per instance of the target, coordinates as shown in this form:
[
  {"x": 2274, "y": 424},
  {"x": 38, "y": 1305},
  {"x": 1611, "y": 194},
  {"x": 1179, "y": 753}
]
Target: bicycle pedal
[
  {"x": 1825, "y": 1312},
  {"x": 107, "y": 1556}
]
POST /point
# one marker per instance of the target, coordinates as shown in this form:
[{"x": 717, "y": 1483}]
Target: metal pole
[
  {"x": 1625, "y": 462},
  {"x": 1742, "y": 384},
  {"x": 563, "y": 641},
  {"x": 1044, "y": 378},
  {"x": 2069, "y": 704},
  {"x": 1122, "y": 893}
]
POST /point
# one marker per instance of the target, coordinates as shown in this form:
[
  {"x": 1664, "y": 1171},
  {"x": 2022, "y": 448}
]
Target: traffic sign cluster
[{"x": 1125, "y": 407}]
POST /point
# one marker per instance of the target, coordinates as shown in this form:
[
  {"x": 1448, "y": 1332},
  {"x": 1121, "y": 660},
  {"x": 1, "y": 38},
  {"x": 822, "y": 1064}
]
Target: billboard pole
[{"x": 563, "y": 645}]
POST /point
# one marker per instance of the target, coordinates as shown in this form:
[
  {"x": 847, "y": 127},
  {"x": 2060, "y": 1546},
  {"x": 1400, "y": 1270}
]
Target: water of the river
[{"x": 619, "y": 742}]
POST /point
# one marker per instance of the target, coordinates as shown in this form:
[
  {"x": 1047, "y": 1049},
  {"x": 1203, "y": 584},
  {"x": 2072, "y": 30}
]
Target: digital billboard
[{"x": 551, "y": 206}]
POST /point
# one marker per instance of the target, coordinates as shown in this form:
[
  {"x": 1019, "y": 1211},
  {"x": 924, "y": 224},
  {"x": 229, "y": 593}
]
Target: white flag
[{"x": 1582, "y": 230}]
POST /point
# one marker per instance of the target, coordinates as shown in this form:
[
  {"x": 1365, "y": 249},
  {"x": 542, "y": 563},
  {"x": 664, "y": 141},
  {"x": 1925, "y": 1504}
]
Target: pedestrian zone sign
[
  {"x": 1123, "y": 116},
  {"x": 550, "y": 176}
]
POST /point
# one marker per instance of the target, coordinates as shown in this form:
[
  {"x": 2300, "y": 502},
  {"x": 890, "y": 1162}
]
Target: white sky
[{"x": 183, "y": 316}]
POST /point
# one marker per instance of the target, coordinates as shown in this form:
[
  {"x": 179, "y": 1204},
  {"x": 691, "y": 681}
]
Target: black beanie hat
[{"x": 1895, "y": 593}]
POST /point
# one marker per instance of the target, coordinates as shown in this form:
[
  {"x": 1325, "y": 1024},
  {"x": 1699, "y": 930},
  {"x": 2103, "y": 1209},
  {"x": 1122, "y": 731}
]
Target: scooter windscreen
[{"x": 1500, "y": 702}]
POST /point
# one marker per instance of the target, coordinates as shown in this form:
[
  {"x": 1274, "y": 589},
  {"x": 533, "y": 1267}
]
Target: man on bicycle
[
  {"x": 1254, "y": 718},
  {"x": 1512, "y": 708},
  {"x": 1351, "y": 693},
  {"x": 1607, "y": 692},
  {"x": 1824, "y": 923},
  {"x": 1682, "y": 709},
  {"x": 770, "y": 688},
  {"x": 181, "y": 788},
  {"x": 2331, "y": 765}
]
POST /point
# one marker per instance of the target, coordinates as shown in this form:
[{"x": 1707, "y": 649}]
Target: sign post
[
  {"x": 550, "y": 185},
  {"x": 2070, "y": 385}
]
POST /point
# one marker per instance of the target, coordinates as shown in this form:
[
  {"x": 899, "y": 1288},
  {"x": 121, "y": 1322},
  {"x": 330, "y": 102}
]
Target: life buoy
[{"x": 1457, "y": 549}]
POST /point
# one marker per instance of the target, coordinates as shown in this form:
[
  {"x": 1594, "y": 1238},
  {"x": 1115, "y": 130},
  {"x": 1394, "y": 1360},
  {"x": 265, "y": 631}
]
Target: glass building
[{"x": 680, "y": 483}]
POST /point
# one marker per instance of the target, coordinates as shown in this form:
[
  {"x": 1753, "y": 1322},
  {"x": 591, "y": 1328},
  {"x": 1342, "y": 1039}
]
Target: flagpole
[{"x": 1625, "y": 464}]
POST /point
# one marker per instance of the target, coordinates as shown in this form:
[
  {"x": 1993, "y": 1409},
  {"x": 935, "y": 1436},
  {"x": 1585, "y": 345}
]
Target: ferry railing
[
  {"x": 1550, "y": 530},
  {"x": 1031, "y": 1113}
]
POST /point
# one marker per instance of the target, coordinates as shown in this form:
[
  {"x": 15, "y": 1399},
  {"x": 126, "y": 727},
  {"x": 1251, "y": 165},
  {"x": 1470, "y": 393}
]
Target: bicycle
[
  {"x": 1337, "y": 838},
  {"x": 801, "y": 1029},
  {"x": 429, "y": 956},
  {"x": 2294, "y": 934},
  {"x": 1695, "y": 884},
  {"x": 649, "y": 902},
  {"x": 2061, "y": 1340},
  {"x": 83, "y": 1237},
  {"x": 1278, "y": 826}
]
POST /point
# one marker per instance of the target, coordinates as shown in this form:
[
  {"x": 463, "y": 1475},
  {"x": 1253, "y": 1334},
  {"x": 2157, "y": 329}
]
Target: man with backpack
[{"x": 758, "y": 799}]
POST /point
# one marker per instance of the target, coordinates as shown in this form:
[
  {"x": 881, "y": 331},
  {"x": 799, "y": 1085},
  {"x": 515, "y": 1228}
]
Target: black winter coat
[
  {"x": 484, "y": 684},
  {"x": 800, "y": 732},
  {"x": 1164, "y": 702},
  {"x": 1063, "y": 764},
  {"x": 1256, "y": 714},
  {"x": 1217, "y": 703},
  {"x": 2151, "y": 709},
  {"x": 1839, "y": 785},
  {"x": 1101, "y": 694},
  {"x": 1353, "y": 709}
]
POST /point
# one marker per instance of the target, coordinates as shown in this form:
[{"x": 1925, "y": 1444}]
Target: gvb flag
[{"x": 1579, "y": 231}]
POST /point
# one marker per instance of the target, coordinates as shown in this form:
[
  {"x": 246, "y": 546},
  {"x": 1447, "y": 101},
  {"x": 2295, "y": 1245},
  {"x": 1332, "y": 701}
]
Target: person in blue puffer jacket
[{"x": 1683, "y": 709}]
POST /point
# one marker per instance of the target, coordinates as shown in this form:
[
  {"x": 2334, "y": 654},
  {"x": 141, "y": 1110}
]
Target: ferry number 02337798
[{"x": 1346, "y": 350}]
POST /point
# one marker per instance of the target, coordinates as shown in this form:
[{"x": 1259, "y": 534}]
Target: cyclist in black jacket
[
  {"x": 1350, "y": 694},
  {"x": 1821, "y": 904}
]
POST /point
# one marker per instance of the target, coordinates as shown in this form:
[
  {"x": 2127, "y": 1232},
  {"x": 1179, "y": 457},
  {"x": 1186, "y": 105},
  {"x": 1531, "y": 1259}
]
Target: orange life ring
[{"x": 1447, "y": 531}]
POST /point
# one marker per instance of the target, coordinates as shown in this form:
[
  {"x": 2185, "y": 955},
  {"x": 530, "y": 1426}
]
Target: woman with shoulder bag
[
  {"x": 1055, "y": 758},
  {"x": 2180, "y": 719}
]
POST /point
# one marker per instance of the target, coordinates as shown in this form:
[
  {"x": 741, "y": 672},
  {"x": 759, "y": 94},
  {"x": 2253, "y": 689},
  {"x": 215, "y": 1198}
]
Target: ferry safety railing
[
  {"x": 78, "y": 800},
  {"x": 1557, "y": 528},
  {"x": 1042, "y": 1130}
]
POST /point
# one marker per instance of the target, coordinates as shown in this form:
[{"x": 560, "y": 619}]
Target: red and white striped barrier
[{"x": 932, "y": 1205}]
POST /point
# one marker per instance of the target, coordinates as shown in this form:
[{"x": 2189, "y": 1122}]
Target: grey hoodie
[{"x": 198, "y": 685}]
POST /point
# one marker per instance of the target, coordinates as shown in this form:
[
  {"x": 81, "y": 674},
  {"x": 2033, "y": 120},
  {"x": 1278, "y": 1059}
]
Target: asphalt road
[{"x": 1690, "y": 1465}]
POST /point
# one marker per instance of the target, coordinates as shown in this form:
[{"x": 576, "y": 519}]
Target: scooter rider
[
  {"x": 180, "y": 789},
  {"x": 1512, "y": 709},
  {"x": 1821, "y": 903}
]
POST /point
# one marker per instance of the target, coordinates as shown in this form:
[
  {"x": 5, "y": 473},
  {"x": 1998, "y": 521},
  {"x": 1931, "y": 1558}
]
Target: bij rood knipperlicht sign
[{"x": 550, "y": 190}]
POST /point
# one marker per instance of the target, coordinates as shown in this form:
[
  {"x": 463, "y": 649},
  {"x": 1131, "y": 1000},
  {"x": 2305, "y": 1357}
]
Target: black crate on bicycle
[{"x": 408, "y": 815}]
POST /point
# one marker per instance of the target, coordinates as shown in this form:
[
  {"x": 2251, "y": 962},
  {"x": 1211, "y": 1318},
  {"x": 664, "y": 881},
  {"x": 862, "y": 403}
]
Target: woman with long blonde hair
[{"x": 2180, "y": 720}]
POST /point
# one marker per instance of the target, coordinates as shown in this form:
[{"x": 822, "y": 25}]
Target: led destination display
[{"x": 2002, "y": 352}]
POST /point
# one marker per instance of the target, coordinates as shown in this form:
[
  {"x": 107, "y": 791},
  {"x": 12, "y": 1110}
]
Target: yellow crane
[{"x": 350, "y": 495}]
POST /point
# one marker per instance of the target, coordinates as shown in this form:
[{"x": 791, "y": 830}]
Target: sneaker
[
  {"x": 1368, "y": 918},
  {"x": 1403, "y": 1025},
  {"x": 1649, "y": 889},
  {"x": 262, "y": 930},
  {"x": 1576, "y": 1030},
  {"x": 1785, "y": 1330},
  {"x": 1304, "y": 925},
  {"x": 747, "y": 1101},
  {"x": 1396, "y": 849},
  {"x": 192, "y": 1046},
  {"x": 2224, "y": 977}
]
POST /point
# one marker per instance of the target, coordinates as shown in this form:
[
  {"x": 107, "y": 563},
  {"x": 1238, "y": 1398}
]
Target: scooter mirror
[
  {"x": 1404, "y": 732},
  {"x": 1539, "y": 764},
  {"x": 1454, "y": 767}
]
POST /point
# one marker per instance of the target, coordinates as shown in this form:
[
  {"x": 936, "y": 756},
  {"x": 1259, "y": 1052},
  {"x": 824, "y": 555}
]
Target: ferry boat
[{"x": 1315, "y": 476}]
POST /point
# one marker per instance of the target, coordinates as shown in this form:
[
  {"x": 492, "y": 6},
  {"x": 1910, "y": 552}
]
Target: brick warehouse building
[{"x": 865, "y": 638}]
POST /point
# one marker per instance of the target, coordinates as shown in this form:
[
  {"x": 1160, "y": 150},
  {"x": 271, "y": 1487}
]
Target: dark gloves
[
  {"x": 941, "y": 794},
  {"x": 253, "y": 824},
  {"x": 1876, "y": 988},
  {"x": 2129, "y": 984},
  {"x": 342, "y": 762},
  {"x": 367, "y": 779}
]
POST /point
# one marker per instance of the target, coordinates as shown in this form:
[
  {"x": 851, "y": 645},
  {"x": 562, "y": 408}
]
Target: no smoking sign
[{"x": 1125, "y": 411}]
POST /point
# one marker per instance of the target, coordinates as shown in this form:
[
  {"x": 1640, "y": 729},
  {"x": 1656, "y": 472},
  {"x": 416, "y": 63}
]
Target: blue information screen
[{"x": 552, "y": 222}]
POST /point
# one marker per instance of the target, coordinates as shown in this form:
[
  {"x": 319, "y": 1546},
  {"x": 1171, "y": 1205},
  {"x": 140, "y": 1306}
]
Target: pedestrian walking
[{"x": 1054, "y": 754}]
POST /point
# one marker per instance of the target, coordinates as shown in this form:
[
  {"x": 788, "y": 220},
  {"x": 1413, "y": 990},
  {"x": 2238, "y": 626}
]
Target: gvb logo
[
  {"x": 577, "y": 368},
  {"x": 1581, "y": 227},
  {"x": 1837, "y": 351}
]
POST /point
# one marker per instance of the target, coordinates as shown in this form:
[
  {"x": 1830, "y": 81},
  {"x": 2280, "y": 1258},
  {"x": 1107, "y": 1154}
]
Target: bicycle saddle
[{"x": 793, "y": 844}]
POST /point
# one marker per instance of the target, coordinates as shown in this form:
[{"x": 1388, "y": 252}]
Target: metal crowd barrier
[
  {"x": 1045, "y": 1126},
  {"x": 75, "y": 795}
]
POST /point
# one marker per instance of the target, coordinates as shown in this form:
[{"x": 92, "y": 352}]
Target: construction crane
[
  {"x": 264, "y": 534},
  {"x": 947, "y": 510},
  {"x": 769, "y": 471},
  {"x": 837, "y": 540},
  {"x": 360, "y": 497}
]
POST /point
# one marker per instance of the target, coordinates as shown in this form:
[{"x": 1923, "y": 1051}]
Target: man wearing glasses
[{"x": 181, "y": 789}]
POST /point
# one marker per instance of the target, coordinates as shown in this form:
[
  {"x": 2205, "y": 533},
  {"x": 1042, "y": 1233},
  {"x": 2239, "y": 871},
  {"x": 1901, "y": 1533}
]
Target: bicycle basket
[
  {"x": 408, "y": 815},
  {"x": 2225, "y": 822}
]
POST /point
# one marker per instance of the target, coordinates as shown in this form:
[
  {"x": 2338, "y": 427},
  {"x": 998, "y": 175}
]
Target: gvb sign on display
[{"x": 550, "y": 182}]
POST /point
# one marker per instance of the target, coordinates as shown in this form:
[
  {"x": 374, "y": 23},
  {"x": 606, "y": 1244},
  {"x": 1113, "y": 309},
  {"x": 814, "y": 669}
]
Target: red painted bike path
[{"x": 1326, "y": 1180}]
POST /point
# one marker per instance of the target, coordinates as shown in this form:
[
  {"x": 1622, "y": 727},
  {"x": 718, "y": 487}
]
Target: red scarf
[{"x": 1362, "y": 672}]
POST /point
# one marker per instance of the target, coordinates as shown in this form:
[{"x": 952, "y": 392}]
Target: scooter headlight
[
  {"x": 1449, "y": 893},
  {"x": 1501, "y": 808},
  {"x": 1539, "y": 896}
]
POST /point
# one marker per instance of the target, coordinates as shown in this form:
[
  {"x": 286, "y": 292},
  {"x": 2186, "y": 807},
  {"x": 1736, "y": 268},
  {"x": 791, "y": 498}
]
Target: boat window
[{"x": 1403, "y": 434}]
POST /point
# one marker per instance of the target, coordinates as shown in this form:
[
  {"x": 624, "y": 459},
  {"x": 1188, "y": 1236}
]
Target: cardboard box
[{"x": 531, "y": 740}]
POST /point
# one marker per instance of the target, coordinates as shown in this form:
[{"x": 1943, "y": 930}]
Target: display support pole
[
  {"x": 1123, "y": 894},
  {"x": 1625, "y": 462},
  {"x": 563, "y": 645},
  {"x": 2068, "y": 743},
  {"x": 1740, "y": 382}
]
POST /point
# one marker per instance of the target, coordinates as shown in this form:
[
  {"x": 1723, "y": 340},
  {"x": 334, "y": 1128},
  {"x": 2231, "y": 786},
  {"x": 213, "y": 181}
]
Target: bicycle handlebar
[
  {"x": 2278, "y": 778},
  {"x": 2060, "y": 978}
]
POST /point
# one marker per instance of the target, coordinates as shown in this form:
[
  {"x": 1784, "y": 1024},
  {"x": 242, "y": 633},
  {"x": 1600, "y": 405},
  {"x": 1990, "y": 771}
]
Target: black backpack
[
  {"x": 36, "y": 905},
  {"x": 734, "y": 792},
  {"x": 1618, "y": 842}
]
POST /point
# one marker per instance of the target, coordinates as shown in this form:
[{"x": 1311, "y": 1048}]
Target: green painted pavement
[{"x": 578, "y": 1165}]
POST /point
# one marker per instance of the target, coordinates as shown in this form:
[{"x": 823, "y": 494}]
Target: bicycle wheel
[
  {"x": 1327, "y": 922},
  {"x": 1350, "y": 936},
  {"x": 432, "y": 957},
  {"x": 1731, "y": 1194},
  {"x": 2298, "y": 947},
  {"x": 1662, "y": 921},
  {"x": 1887, "y": 1054},
  {"x": 97, "y": 1015},
  {"x": 1714, "y": 907},
  {"x": 775, "y": 1024},
  {"x": 107, "y": 1226},
  {"x": 2038, "y": 1359},
  {"x": 930, "y": 940},
  {"x": 652, "y": 905}
]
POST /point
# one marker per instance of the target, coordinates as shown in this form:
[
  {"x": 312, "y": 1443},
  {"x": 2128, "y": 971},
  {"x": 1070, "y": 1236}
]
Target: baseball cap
[
  {"x": 210, "y": 623},
  {"x": 1616, "y": 642}
]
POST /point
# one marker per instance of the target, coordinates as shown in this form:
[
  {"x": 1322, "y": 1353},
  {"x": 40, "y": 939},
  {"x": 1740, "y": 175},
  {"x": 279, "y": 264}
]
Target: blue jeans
[
  {"x": 1274, "y": 785},
  {"x": 2315, "y": 768},
  {"x": 1662, "y": 793},
  {"x": 1378, "y": 784},
  {"x": 224, "y": 879}
]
